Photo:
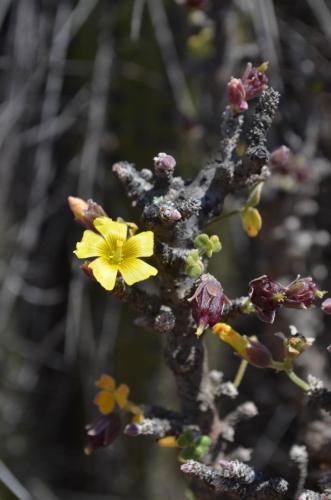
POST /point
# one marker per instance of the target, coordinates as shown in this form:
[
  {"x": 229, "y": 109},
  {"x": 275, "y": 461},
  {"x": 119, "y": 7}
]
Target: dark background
[{"x": 82, "y": 85}]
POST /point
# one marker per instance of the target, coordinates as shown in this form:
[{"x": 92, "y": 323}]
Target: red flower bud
[
  {"x": 208, "y": 302},
  {"x": 164, "y": 165},
  {"x": 85, "y": 211},
  {"x": 301, "y": 293},
  {"x": 279, "y": 160},
  {"x": 266, "y": 295},
  {"x": 258, "y": 355},
  {"x": 254, "y": 81},
  {"x": 237, "y": 95},
  {"x": 326, "y": 306}
]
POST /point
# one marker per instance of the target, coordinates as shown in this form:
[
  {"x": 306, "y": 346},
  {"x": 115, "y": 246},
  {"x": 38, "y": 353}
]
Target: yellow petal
[
  {"x": 121, "y": 395},
  {"x": 105, "y": 401},
  {"x": 231, "y": 337},
  {"x": 140, "y": 245},
  {"x": 106, "y": 382},
  {"x": 134, "y": 270},
  {"x": 104, "y": 272},
  {"x": 92, "y": 245},
  {"x": 110, "y": 229}
]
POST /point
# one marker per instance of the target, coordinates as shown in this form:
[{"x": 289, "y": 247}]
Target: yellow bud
[
  {"x": 251, "y": 221},
  {"x": 263, "y": 67},
  {"x": 168, "y": 442},
  {"x": 137, "y": 419},
  {"x": 77, "y": 206},
  {"x": 201, "y": 42}
]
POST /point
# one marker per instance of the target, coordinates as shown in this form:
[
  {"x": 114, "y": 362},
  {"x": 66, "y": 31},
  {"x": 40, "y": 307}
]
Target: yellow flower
[
  {"x": 115, "y": 253},
  {"x": 109, "y": 395}
]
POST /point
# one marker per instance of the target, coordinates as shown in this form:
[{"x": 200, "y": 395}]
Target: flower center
[{"x": 117, "y": 255}]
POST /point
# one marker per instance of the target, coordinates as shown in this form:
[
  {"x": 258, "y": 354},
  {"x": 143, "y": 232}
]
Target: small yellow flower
[
  {"x": 116, "y": 253},
  {"x": 226, "y": 333},
  {"x": 109, "y": 395}
]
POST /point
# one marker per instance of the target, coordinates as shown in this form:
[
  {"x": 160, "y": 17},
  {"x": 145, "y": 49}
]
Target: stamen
[{"x": 118, "y": 254}]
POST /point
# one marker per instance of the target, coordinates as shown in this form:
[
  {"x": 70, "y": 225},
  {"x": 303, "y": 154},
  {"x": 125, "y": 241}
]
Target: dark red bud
[
  {"x": 208, "y": 302},
  {"x": 279, "y": 160},
  {"x": 266, "y": 295},
  {"x": 132, "y": 430},
  {"x": 254, "y": 81},
  {"x": 164, "y": 165},
  {"x": 85, "y": 211},
  {"x": 326, "y": 306},
  {"x": 258, "y": 355},
  {"x": 102, "y": 432},
  {"x": 301, "y": 293},
  {"x": 237, "y": 95}
]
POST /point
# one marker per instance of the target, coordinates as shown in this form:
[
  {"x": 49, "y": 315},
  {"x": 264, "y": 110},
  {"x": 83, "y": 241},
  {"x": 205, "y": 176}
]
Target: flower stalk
[
  {"x": 298, "y": 381},
  {"x": 240, "y": 373}
]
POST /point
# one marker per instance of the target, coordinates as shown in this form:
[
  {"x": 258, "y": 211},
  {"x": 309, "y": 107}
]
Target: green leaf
[
  {"x": 185, "y": 439},
  {"x": 204, "y": 441},
  {"x": 187, "y": 453}
]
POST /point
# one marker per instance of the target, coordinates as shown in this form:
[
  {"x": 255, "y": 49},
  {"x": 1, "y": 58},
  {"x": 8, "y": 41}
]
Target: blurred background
[{"x": 84, "y": 84}]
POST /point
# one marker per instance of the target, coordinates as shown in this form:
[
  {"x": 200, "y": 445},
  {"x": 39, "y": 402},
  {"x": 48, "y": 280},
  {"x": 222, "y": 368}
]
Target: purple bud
[
  {"x": 208, "y": 302},
  {"x": 326, "y": 306},
  {"x": 301, "y": 293},
  {"x": 258, "y": 355},
  {"x": 85, "y": 211},
  {"x": 266, "y": 295},
  {"x": 131, "y": 430},
  {"x": 170, "y": 214},
  {"x": 254, "y": 81},
  {"x": 329, "y": 349},
  {"x": 164, "y": 165},
  {"x": 279, "y": 160},
  {"x": 102, "y": 432},
  {"x": 237, "y": 95}
]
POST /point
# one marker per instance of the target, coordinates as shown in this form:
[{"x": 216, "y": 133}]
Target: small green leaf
[
  {"x": 204, "y": 441},
  {"x": 185, "y": 439},
  {"x": 189, "y": 495},
  {"x": 187, "y": 453},
  {"x": 200, "y": 451}
]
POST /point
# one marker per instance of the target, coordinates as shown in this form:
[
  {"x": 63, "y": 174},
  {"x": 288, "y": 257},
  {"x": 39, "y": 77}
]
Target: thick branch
[{"x": 238, "y": 479}]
